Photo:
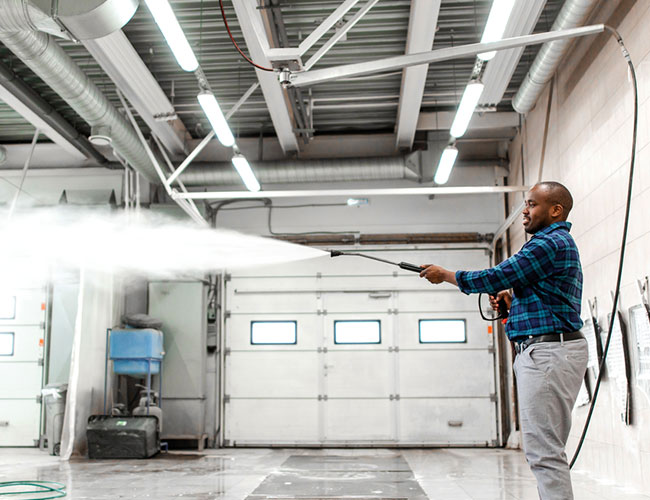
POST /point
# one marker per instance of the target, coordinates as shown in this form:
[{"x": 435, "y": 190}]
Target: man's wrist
[{"x": 450, "y": 277}]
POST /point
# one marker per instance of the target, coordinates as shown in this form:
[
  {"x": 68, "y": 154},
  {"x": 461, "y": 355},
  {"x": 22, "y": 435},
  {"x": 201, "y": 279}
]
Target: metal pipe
[
  {"x": 10, "y": 81},
  {"x": 242, "y": 195},
  {"x": 573, "y": 13},
  {"x": 399, "y": 62}
]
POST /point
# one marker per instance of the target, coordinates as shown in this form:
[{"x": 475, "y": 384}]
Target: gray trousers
[{"x": 549, "y": 375}]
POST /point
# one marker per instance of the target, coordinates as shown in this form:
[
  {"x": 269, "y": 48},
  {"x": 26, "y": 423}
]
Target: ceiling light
[
  {"x": 173, "y": 33},
  {"x": 245, "y": 172},
  {"x": 447, "y": 160},
  {"x": 496, "y": 24},
  {"x": 466, "y": 108},
  {"x": 357, "y": 202},
  {"x": 215, "y": 116}
]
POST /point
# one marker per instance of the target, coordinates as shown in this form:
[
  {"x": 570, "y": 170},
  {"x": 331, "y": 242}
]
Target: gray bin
[{"x": 54, "y": 397}]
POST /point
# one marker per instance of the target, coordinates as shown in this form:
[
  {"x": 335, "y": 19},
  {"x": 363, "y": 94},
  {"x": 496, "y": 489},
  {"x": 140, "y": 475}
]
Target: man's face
[{"x": 538, "y": 212}]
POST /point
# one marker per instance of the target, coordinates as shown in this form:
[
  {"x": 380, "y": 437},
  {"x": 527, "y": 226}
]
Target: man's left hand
[{"x": 435, "y": 274}]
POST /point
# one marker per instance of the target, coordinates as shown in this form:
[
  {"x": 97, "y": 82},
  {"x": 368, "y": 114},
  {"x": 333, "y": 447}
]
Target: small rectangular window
[
  {"x": 6, "y": 344},
  {"x": 7, "y": 307},
  {"x": 357, "y": 332},
  {"x": 434, "y": 331},
  {"x": 274, "y": 332}
]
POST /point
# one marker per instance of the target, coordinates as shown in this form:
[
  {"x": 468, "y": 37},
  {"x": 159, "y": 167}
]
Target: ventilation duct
[
  {"x": 19, "y": 22},
  {"x": 572, "y": 14},
  {"x": 283, "y": 172}
]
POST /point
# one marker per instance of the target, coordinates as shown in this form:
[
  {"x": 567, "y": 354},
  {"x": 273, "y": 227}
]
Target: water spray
[{"x": 401, "y": 265}]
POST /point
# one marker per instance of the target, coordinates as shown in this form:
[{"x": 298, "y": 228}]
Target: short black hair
[{"x": 558, "y": 194}]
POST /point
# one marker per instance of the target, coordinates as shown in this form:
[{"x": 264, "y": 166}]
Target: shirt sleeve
[{"x": 534, "y": 262}]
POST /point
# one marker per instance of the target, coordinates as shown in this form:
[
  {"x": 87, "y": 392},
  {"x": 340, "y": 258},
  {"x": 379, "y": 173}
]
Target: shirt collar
[{"x": 556, "y": 225}]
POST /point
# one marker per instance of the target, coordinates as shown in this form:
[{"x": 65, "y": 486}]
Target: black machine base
[{"x": 122, "y": 437}]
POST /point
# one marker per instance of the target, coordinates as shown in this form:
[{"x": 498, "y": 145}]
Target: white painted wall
[{"x": 589, "y": 150}]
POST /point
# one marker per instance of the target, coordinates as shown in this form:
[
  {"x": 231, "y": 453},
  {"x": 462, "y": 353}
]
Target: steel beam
[
  {"x": 422, "y": 29},
  {"x": 242, "y": 195},
  {"x": 257, "y": 42},
  {"x": 326, "y": 25},
  {"x": 308, "y": 78},
  {"x": 341, "y": 33}
]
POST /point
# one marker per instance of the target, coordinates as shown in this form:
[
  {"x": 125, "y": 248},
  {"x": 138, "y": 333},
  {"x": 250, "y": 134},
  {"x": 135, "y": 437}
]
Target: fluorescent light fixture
[
  {"x": 173, "y": 33},
  {"x": 211, "y": 108},
  {"x": 466, "y": 108},
  {"x": 357, "y": 202},
  {"x": 496, "y": 24},
  {"x": 245, "y": 172},
  {"x": 447, "y": 160}
]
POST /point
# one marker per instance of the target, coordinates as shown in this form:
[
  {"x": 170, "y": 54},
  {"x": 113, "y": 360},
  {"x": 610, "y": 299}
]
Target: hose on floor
[{"x": 42, "y": 488}]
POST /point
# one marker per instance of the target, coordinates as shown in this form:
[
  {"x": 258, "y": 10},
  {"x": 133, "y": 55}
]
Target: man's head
[{"x": 546, "y": 203}]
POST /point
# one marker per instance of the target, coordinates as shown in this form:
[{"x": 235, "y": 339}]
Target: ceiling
[{"x": 364, "y": 108}]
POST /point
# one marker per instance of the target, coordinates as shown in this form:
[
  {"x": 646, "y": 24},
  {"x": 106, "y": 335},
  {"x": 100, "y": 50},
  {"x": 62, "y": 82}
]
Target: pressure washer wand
[{"x": 401, "y": 265}]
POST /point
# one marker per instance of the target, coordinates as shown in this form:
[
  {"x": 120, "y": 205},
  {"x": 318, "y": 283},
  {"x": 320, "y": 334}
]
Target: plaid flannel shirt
[{"x": 546, "y": 279}]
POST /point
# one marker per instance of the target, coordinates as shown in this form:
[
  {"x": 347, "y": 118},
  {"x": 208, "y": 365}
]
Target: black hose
[{"x": 621, "y": 260}]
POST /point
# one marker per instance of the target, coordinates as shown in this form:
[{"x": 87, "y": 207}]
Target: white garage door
[
  {"x": 22, "y": 316},
  {"x": 348, "y": 351}
]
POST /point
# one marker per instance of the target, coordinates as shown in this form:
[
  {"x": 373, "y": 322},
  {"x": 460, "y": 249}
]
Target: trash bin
[{"x": 54, "y": 396}]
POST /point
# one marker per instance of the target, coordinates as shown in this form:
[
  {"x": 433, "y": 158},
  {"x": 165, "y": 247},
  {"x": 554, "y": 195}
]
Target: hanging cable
[
  {"x": 621, "y": 260},
  {"x": 225, "y": 21}
]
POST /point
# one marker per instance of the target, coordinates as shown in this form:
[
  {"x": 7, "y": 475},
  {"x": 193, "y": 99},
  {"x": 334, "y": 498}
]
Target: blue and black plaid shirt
[{"x": 546, "y": 278}]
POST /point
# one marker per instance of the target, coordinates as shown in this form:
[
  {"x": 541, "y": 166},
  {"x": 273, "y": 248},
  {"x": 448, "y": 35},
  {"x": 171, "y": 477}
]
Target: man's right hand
[{"x": 503, "y": 295}]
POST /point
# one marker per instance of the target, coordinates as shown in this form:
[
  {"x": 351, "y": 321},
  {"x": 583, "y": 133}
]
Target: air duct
[
  {"x": 284, "y": 172},
  {"x": 572, "y": 14},
  {"x": 38, "y": 50}
]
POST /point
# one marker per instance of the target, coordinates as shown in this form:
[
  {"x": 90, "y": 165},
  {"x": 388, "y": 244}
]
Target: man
[{"x": 544, "y": 322}]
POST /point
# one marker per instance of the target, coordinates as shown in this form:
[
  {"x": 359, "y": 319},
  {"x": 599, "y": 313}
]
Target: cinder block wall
[{"x": 588, "y": 150}]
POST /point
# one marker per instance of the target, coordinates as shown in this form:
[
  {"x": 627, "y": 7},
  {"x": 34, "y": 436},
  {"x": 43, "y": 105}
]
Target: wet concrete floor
[{"x": 260, "y": 474}]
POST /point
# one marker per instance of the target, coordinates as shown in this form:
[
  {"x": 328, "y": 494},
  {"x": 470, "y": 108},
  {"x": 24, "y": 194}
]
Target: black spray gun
[{"x": 503, "y": 310}]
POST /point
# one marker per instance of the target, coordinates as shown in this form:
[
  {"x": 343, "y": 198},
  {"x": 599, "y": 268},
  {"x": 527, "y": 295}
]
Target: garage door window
[
  {"x": 274, "y": 332},
  {"x": 7, "y": 307},
  {"x": 6, "y": 344},
  {"x": 441, "y": 331},
  {"x": 357, "y": 332}
]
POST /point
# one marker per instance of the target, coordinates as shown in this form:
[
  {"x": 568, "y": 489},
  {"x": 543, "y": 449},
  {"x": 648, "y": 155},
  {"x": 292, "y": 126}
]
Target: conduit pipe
[
  {"x": 284, "y": 172},
  {"x": 48, "y": 60},
  {"x": 572, "y": 14}
]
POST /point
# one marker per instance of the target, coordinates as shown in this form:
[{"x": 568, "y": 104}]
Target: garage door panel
[
  {"x": 385, "y": 330},
  {"x": 20, "y": 422},
  {"x": 283, "y": 421},
  {"x": 436, "y": 300},
  {"x": 359, "y": 373},
  {"x": 354, "y": 302},
  {"x": 273, "y": 374},
  {"x": 446, "y": 373},
  {"x": 447, "y": 421},
  {"x": 26, "y": 343},
  {"x": 308, "y": 332},
  {"x": 27, "y": 306},
  {"x": 26, "y": 385},
  {"x": 273, "y": 303},
  {"x": 358, "y": 420}
]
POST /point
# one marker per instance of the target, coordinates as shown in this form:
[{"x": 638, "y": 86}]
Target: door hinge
[
  {"x": 393, "y": 349},
  {"x": 319, "y": 276},
  {"x": 491, "y": 349},
  {"x": 393, "y": 311},
  {"x": 227, "y": 277},
  {"x": 40, "y": 362},
  {"x": 320, "y": 312},
  {"x": 321, "y": 349},
  {"x": 39, "y": 399},
  {"x": 394, "y": 397},
  {"x": 4, "y": 423},
  {"x": 322, "y": 397},
  {"x": 493, "y": 397},
  {"x": 42, "y": 325},
  {"x": 226, "y": 351},
  {"x": 226, "y": 398},
  {"x": 226, "y": 314}
]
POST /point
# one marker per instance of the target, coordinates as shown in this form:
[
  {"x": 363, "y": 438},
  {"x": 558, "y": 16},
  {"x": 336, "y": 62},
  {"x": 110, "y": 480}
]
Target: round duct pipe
[{"x": 572, "y": 14}]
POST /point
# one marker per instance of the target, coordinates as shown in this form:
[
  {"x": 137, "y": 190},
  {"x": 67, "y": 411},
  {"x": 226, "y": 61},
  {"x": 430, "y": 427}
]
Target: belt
[{"x": 548, "y": 337}]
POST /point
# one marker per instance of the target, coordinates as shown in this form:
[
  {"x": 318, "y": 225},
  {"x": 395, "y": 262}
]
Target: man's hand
[
  {"x": 503, "y": 295},
  {"x": 437, "y": 274}
]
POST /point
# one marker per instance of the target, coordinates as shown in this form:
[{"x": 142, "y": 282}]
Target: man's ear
[{"x": 557, "y": 211}]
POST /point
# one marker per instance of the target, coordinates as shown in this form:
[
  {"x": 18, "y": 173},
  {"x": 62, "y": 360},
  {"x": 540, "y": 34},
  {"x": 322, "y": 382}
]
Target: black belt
[{"x": 548, "y": 337}]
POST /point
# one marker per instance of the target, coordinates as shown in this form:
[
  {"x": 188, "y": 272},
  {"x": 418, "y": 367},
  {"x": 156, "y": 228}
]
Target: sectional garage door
[{"x": 349, "y": 352}]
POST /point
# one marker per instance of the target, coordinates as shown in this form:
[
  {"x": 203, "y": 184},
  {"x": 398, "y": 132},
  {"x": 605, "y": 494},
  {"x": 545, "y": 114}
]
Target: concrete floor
[{"x": 255, "y": 474}]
